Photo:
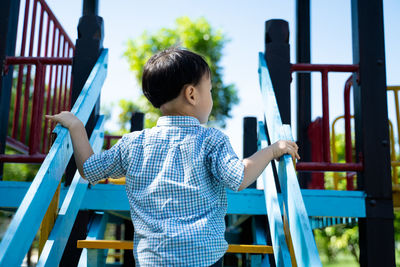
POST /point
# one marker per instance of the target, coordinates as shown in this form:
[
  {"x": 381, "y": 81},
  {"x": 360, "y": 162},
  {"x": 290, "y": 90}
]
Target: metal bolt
[
  {"x": 372, "y": 202},
  {"x": 385, "y": 143}
]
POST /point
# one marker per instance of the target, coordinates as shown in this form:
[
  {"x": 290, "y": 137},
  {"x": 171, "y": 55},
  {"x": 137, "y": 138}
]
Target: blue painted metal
[
  {"x": 281, "y": 251},
  {"x": 302, "y": 238},
  {"x": 322, "y": 222},
  {"x": 259, "y": 237},
  {"x": 26, "y": 222},
  {"x": 54, "y": 246},
  {"x": 320, "y": 203},
  {"x": 95, "y": 257},
  {"x": 332, "y": 203}
]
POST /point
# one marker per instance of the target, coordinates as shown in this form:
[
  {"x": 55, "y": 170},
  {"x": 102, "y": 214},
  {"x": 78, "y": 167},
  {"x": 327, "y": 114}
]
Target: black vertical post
[
  {"x": 303, "y": 55},
  {"x": 277, "y": 56},
  {"x": 137, "y": 121},
  {"x": 376, "y": 233},
  {"x": 250, "y": 145},
  {"x": 87, "y": 50},
  {"x": 8, "y": 34},
  {"x": 128, "y": 235}
]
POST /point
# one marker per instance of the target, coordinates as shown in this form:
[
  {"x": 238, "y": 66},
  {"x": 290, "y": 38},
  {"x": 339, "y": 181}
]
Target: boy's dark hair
[{"x": 167, "y": 72}]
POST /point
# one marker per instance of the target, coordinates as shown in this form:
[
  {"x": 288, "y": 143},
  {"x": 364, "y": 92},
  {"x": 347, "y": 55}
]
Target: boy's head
[{"x": 167, "y": 73}]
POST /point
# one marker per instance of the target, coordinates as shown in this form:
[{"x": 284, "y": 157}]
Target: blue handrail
[
  {"x": 281, "y": 251},
  {"x": 305, "y": 249},
  {"x": 55, "y": 245},
  {"x": 25, "y": 224}
]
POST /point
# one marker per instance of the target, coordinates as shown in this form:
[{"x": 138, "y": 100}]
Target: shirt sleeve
[
  {"x": 224, "y": 163},
  {"x": 108, "y": 164}
]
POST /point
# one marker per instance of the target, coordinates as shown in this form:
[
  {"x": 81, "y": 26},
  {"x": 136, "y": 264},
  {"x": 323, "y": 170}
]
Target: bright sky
[{"x": 243, "y": 22}]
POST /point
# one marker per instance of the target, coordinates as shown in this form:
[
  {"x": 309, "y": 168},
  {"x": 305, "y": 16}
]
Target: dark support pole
[
  {"x": 87, "y": 50},
  {"x": 137, "y": 121},
  {"x": 376, "y": 233},
  {"x": 90, "y": 7},
  {"x": 72, "y": 254},
  {"x": 8, "y": 34},
  {"x": 277, "y": 56},
  {"x": 250, "y": 139},
  {"x": 303, "y": 55},
  {"x": 128, "y": 235}
]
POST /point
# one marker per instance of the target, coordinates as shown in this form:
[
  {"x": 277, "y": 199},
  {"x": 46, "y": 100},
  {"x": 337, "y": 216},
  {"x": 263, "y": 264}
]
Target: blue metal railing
[
  {"x": 55, "y": 245},
  {"x": 304, "y": 246},
  {"x": 25, "y": 224}
]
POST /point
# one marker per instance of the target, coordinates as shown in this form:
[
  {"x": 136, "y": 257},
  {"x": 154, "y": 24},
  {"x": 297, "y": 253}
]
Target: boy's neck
[{"x": 176, "y": 108}]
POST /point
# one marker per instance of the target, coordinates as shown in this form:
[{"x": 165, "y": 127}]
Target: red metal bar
[
  {"x": 38, "y": 60},
  {"x": 40, "y": 130},
  {"x": 71, "y": 80},
  {"x": 51, "y": 72},
  {"x": 25, "y": 110},
  {"x": 17, "y": 103},
  {"x": 326, "y": 166},
  {"x": 47, "y": 36},
  {"x": 34, "y": 137},
  {"x": 55, "y": 21},
  {"x": 36, "y": 158},
  {"x": 55, "y": 101},
  {"x": 314, "y": 132},
  {"x": 15, "y": 144},
  {"x": 64, "y": 104},
  {"x": 46, "y": 130},
  {"x": 60, "y": 92},
  {"x": 347, "y": 131},
  {"x": 324, "y": 67},
  {"x": 48, "y": 95},
  {"x": 325, "y": 117},
  {"x": 39, "y": 48}
]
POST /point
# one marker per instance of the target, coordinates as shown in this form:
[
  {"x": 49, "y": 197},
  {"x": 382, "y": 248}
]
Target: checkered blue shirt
[{"x": 176, "y": 175}]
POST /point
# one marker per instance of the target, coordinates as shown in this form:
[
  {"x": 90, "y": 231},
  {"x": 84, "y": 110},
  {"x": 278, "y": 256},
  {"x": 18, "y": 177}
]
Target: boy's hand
[
  {"x": 283, "y": 147},
  {"x": 66, "y": 119}
]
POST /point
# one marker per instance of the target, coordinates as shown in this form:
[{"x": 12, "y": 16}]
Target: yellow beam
[
  {"x": 118, "y": 244},
  {"x": 255, "y": 249}
]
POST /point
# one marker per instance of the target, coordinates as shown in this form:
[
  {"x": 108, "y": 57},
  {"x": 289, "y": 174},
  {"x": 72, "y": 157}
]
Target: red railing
[
  {"x": 42, "y": 81},
  {"x": 326, "y": 164}
]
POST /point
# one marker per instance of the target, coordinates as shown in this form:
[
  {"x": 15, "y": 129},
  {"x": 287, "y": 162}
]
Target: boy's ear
[{"x": 189, "y": 93}]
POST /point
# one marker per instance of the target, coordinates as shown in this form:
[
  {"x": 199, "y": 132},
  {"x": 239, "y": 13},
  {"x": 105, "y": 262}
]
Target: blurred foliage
[
  {"x": 337, "y": 239},
  {"x": 18, "y": 171},
  {"x": 196, "y": 35}
]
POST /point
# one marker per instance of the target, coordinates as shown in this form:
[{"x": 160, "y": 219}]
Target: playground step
[{"x": 117, "y": 244}]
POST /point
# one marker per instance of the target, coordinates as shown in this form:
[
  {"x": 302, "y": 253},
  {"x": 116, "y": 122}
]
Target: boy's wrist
[{"x": 75, "y": 124}]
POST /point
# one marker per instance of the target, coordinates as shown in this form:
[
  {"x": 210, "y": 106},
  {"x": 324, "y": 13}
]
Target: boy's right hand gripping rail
[
  {"x": 26, "y": 222},
  {"x": 305, "y": 249}
]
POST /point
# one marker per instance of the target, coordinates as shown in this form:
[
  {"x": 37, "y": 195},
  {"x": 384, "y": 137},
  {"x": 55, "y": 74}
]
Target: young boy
[{"x": 176, "y": 173}]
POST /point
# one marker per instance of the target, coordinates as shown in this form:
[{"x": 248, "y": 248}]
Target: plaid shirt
[{"x": 176, "y": 174}]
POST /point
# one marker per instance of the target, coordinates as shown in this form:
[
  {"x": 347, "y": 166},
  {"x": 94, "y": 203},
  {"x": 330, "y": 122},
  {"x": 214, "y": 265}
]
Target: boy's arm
[
  {"x": 255, "y": 165},
  {"x": 80, "y": 141}
]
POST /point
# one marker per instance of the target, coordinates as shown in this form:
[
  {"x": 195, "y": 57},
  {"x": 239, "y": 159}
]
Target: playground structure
[{"x": 277, "y": 220}]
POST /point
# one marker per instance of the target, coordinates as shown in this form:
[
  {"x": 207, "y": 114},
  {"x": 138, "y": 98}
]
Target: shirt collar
[{"x": 178, "y": 121}]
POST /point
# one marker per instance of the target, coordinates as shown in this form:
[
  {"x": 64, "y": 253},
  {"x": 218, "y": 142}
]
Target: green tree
[{"x": 196, "y": 35}]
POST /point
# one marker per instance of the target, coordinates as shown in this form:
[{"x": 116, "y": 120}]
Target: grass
[{"x": 342, "y": 260}]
